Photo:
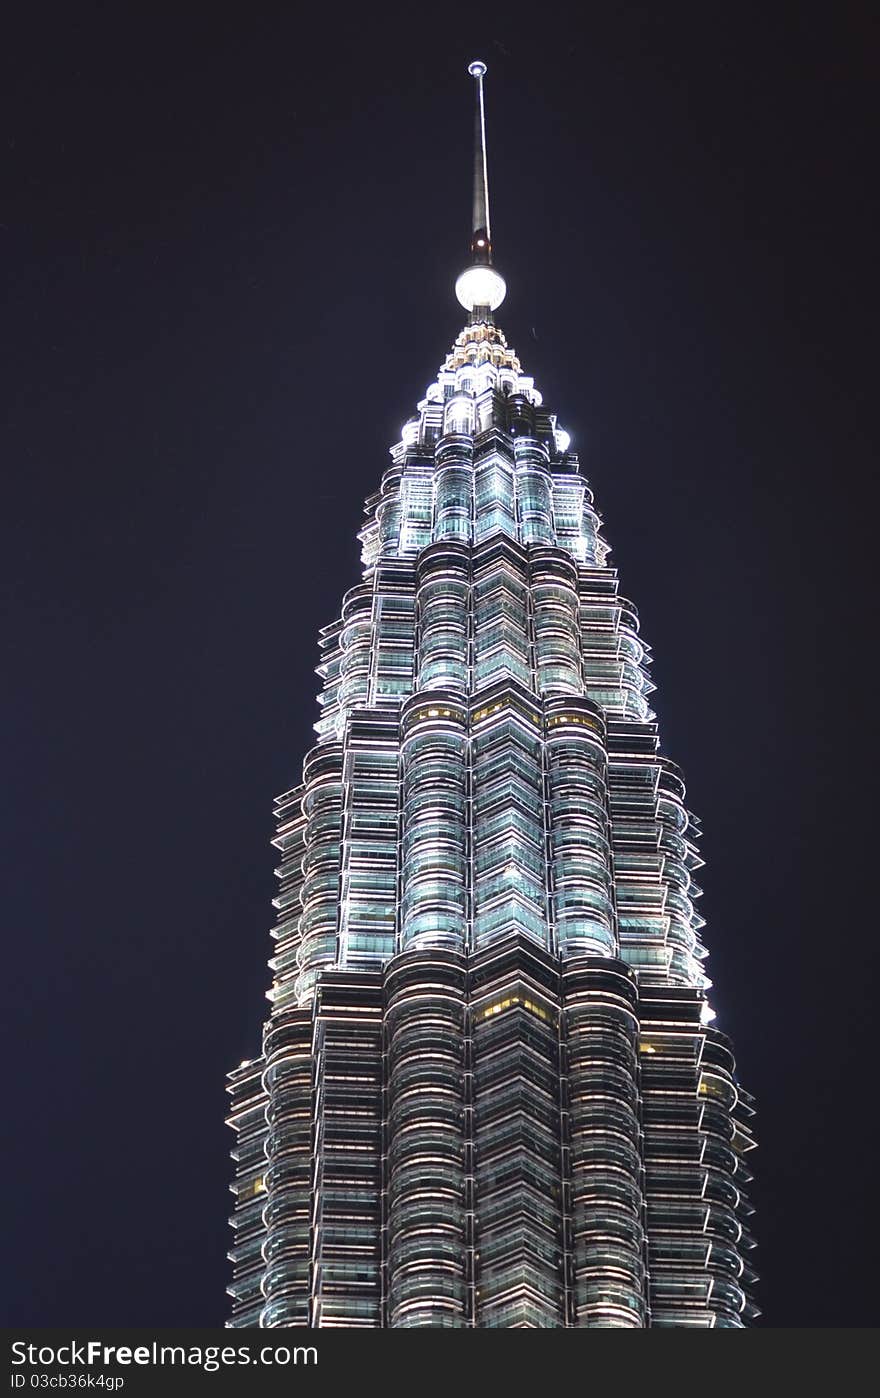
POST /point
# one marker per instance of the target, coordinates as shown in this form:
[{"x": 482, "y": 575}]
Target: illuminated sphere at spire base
[{"x": 480, "y": 286}]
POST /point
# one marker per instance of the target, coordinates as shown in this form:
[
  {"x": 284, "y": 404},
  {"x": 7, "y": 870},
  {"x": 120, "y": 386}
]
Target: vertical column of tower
[
  {"x": 393, "y": 633},
  {"x": 434, "y": 833},
  {"x": 582, "y": 886},
  {"x": 726, "y": 1131},
  {"x": 694, "y": 1144},
  {"x": 596, "y": 550},
  {"x": 678, "y": 850},
  {"x": 553, "y": 586},
  {"x": 534, "y": 491},
  {"x": 322, "y": 807},
  {"x": 287, "y": 932},
  {"x": 598, "y": 618},
  {"x": 426, "y": 1224},
  {"x": 633, "y": 782},
  {"x": 501, "y": 619},
  {"x": 615, "y": 659},
  {"x": 348, "y": 1176},
  {"x": 287, "y": 1077},
  {"x": 632, "y": 657},
  {"x": 356, "y": 646},
  {"x": 370, "y": 839},
  {"x": 653, "y": 856},
  {"x": 672, "y": 1041},
  {"x": 458, "y": 414},
  {"x": 247, "y": 1117},
  {"x": 287, "y": 1168},
  {"x": 494, "y": 499},
  {"x": 453, "y": 488},
  {"x": 514, "y": 1012},
  {"x": 417, "y": 497},
  {"x": 519, "y": 413},
  {"x": 510, "y": 873},
  {"x": 389, "y": 511},
  {"x": 601, "y": 1039},
  {"x": 442, "y": 610},
  {"x": 330, "y": 671},
  {"x": 576, "y": 525}
]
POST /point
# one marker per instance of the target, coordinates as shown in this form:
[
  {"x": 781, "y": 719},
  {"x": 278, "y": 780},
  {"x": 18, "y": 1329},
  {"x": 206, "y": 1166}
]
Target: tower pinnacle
[{"x": 480, "y": 288}]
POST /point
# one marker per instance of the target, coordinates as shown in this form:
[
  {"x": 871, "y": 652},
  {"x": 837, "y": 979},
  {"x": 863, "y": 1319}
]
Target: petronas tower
[{"x": 490, "y": 1092}]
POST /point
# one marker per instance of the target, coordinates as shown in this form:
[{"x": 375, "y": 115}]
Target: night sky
[{"x": 231, "y": 240}]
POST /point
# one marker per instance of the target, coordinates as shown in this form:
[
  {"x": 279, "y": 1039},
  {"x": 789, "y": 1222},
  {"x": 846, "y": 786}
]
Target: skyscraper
[{"x": 490, "y": 1092}]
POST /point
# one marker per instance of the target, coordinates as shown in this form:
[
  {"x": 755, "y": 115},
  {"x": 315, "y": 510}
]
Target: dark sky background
[{"x": 231, "y": 239}]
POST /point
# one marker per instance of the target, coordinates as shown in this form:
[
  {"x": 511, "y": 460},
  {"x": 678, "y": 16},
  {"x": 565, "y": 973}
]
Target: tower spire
[
  {"x": 480, "y": 288},
  {"x": 481, "y": 239}
]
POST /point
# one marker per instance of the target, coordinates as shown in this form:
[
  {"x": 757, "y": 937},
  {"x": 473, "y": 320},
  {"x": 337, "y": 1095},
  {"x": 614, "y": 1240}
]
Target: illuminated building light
[
  {"x": 480, "y": 286},
  {"x": 511, "y": 1002}
]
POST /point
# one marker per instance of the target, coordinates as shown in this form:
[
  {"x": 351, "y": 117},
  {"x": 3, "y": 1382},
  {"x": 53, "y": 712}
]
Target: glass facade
[{"x": 490, "y": 1093}]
